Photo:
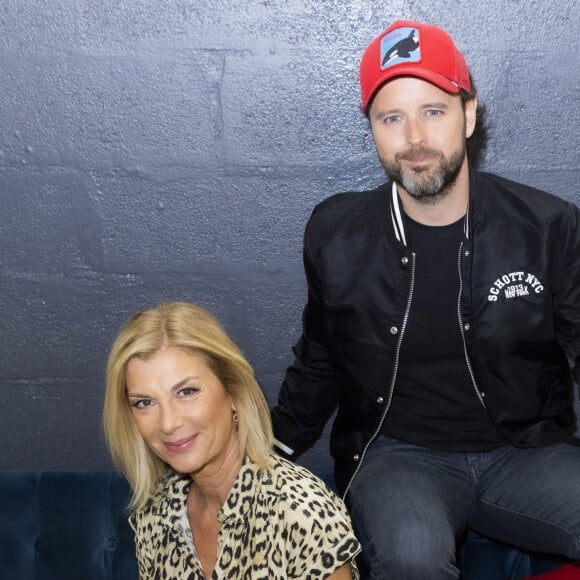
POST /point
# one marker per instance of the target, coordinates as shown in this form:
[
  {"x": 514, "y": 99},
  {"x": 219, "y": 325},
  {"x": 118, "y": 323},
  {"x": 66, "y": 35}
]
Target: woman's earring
[{"x": 235, "y": 419}]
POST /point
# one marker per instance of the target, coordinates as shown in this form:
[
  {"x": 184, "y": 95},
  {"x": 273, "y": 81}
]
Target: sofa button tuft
[
  {"x": 111, "y": 545},
  {"x": 40, "y": 546}
]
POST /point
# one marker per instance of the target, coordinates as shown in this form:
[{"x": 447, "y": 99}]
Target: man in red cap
[{"x": 443, "y": 325}]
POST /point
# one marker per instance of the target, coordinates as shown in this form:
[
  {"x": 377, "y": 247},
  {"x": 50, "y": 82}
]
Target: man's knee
[{"x": 410, "y": 551}]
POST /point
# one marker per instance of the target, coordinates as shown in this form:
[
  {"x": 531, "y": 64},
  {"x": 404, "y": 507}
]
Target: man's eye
[
  {"x": 391, "y": 119},
  {"x": 434, "y": 112}
]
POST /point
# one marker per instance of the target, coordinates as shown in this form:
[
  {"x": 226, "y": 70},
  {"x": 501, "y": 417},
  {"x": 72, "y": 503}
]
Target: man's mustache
[{"x": 418, "y": 153}]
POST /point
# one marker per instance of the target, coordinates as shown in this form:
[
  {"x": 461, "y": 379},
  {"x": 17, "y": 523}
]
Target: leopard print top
[{"x": 277, "y": 524}]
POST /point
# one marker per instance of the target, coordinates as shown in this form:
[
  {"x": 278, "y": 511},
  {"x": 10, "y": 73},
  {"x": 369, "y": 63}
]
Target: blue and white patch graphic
[{"x": 400, "y": 45}]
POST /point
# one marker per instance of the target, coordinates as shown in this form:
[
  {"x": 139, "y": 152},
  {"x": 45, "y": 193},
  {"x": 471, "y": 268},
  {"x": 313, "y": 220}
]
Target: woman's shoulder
[
  {"x": 286, "y": 470},
  {"x": 298, "y": 486}
]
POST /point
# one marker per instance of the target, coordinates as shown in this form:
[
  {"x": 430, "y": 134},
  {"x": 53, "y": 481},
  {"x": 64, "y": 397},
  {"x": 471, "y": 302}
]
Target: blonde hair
[{"x": 183, "y": 325}]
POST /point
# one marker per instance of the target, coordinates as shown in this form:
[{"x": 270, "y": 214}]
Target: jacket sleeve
[
  {"x": 308, "y": 396},
  {"x": 566, "y": 287}
]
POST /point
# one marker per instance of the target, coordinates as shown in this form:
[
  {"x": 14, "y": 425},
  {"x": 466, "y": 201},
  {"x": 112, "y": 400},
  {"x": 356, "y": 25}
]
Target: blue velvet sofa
[
  {"x": 65, "y": 525},
  {"x": 72, "y": 525}
]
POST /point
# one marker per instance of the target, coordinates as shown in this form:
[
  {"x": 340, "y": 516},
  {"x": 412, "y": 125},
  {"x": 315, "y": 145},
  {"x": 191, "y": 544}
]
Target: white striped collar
[{"x": 397, "y": 217}]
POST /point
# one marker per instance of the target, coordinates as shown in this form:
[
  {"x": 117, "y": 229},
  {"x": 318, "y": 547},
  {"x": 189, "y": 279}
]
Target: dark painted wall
[{"x": 173, "y": 150}]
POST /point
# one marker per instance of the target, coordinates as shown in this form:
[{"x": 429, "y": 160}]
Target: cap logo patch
[{"x": 400, "y": 45}]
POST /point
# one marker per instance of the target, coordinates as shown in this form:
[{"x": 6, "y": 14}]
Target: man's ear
[{"x": 470, "y": 116}]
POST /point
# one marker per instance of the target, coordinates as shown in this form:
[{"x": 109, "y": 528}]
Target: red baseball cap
[{"x": 410, "y": 48}]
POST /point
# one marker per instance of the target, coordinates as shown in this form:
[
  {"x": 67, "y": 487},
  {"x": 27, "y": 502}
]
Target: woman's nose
[{"x": 171, "y": 419}]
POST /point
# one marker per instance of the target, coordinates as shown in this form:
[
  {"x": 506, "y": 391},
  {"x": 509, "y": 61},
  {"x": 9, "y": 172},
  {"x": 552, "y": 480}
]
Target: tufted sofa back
[{"x": 65, "y": 525}]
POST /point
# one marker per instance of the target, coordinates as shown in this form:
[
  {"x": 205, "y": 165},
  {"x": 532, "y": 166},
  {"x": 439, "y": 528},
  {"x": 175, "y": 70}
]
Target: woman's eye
[
  {"x": 188, "y": 391},
  {"x": 141, "y": 403}
]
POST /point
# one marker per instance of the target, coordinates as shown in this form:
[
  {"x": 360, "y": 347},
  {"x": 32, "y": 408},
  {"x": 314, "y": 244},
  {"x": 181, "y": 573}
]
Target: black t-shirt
[{"x": 434, "y": 403}]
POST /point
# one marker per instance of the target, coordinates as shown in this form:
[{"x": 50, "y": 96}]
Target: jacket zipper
[
  {"x": 393, "y": 379},
  {"x": 461, "y": 328}
]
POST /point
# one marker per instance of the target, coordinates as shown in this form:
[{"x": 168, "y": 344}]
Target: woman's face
[{"x": 182, "y": 411}]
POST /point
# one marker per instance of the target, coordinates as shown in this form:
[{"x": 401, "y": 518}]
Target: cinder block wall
[{"x": 174, "y": 150}]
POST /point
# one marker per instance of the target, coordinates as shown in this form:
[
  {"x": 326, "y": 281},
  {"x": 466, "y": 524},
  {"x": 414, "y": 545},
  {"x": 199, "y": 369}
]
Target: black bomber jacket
[{"x": 519, "y": 314}]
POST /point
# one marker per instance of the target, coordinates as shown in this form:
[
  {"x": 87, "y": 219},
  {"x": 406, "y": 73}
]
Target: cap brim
[{"x": 409, "y": 71}]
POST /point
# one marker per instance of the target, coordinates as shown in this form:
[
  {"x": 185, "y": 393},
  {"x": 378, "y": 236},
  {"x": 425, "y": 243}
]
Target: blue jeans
[{"x": 409, "y": 505}]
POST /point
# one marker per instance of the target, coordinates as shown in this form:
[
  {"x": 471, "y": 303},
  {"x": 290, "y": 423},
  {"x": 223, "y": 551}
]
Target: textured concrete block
[
  {"x": 45, "y": 222},
  {"x": 109, "y": 111}
]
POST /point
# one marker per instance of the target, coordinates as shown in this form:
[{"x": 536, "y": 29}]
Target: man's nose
[{"x": 416, "y": 134}]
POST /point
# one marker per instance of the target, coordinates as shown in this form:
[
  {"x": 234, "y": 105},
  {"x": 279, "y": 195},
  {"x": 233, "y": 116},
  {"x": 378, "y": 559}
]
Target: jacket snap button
[
  {"x": 393, "y": 330},
  {"x": 404, "y": 260},
  {"x": 380, "y": 400},
  {"x": 467, "y": 326},
  {"x": 356, "y": 457},
  {"x": 466, "y": 253}
]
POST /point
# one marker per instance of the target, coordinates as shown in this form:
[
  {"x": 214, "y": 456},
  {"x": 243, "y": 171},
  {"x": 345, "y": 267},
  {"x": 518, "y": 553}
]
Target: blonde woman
[{"x": 188, "y": 426}]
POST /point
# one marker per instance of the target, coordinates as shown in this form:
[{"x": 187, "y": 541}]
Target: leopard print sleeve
[{"x": 318, "y": 531}]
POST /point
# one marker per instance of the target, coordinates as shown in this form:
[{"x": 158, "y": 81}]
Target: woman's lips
[{"x": 179, "y": 445}]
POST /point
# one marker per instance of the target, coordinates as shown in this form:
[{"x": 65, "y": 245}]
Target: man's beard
[{"x": 425, "y": 185}]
